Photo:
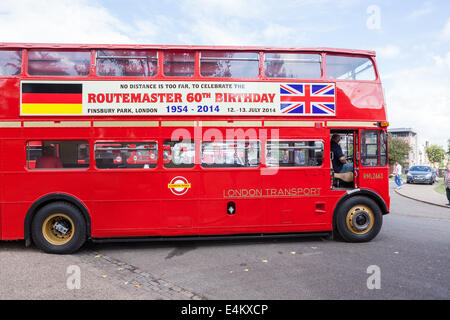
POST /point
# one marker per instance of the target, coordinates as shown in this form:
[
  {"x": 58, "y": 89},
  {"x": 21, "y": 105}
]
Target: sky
[{"x": 411, "y": 38}]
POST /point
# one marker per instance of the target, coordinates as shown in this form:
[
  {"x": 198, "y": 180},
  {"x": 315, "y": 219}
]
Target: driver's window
[
  {"x": 369, "y": 148},
  {"x": 346, "y": 144}
]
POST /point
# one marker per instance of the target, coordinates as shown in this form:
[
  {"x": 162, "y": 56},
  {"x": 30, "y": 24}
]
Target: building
[
  {"x": 423, "y": 157},
  {"x": 407, "y": 134}
]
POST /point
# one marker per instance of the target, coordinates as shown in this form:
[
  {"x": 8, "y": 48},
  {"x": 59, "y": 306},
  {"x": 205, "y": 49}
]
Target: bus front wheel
[
  {"x": 58, "y": 227},
  {"x": 359, "y": 219}
]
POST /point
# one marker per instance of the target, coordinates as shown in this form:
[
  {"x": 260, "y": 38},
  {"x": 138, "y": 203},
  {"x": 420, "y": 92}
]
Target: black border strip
[{"x": 52, "y": 88}]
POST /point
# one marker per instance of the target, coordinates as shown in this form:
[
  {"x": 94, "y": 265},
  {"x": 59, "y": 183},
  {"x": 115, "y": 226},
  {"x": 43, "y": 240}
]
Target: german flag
[{"x": 52, "y": 98}]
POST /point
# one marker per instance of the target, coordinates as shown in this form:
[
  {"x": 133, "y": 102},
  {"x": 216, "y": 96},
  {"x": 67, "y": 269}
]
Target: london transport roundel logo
[{"x": 179, "y": 185}]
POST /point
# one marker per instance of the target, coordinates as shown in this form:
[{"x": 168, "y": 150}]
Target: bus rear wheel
[
  {"x": 58, "y": 227},
  {"x": 359, "y": 219}
]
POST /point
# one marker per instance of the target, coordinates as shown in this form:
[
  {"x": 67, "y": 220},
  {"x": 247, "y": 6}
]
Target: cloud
[
  {"x": 212, "y": 22},
  {"x": 444, "y": 35},
  {"x": 229, "y": 33},
  {"x": 388, "y": 52},
  {"x": 236, "y": 22},
  {"x": 418, "y": 98},
  {"x": 442, "y": 61},
  {"x": 60, "y": 21},
  {"x": 229, "y": 8},
  {"x": 276, "y": 34},
  {"x": 426, "y": 8}
]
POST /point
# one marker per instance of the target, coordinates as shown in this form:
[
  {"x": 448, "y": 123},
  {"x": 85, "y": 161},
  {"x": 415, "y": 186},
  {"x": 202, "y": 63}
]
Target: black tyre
[
  {"x": 358, "y": 219},
  {"x": 58, "y": 227}
]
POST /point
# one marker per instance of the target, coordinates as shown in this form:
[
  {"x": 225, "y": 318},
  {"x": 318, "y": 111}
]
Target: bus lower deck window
[
  {"x": 179, "y": 154},
  {"x": 126, "y": 155},
  {"x": 294, "y": 153},
  {"x": 230, "y": 154},
  {"x": 57, "y": 154}
]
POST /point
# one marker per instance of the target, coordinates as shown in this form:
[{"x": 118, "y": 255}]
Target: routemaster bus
[{"x": 114, "y": 142}]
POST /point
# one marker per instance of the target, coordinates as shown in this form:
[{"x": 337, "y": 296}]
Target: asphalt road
[{"x": 411, "y": 256}]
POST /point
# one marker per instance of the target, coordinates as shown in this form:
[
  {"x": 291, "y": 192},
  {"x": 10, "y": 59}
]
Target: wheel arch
[
  {"x": 361, "y": 192},
  {"x": 49, "y": 198}
]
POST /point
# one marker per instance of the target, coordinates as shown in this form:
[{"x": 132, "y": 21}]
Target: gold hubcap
[
  {"x": 58, "y": 229},
  {"x": 360, "y": 219}
]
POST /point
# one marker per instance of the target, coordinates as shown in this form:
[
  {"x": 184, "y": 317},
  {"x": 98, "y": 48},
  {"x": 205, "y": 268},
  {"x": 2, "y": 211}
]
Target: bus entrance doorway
[{"x": 343, "y": 155}]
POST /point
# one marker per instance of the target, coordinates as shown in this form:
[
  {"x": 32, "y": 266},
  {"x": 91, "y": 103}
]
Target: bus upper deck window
[
  {"x": 229, "y": 64},
  {"x": 58, "y": 63},
  {"x": 293, "y": 65},
  {"x": 179, "y": 63},
  {"x": 349, "y": 68},
  {"x": 127, "y": 63},
  {"x": 10, "y": 62}
]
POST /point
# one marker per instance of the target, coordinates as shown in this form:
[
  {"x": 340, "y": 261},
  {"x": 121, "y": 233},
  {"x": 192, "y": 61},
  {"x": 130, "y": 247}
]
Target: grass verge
[{"x": 440, "y": 187}]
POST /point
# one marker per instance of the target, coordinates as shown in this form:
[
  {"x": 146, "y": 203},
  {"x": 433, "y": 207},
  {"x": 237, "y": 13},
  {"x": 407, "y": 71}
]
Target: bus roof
[{"x": 181, "y": 47}]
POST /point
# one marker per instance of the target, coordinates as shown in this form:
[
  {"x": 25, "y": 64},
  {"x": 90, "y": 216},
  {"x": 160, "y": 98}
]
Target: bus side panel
[
  {"x": 297, "y": 200},
  {"x": 179, "y": 206},
  {"x": 125, "y": 218},
  {"x": 13, "y": 218},
  {"x": 12, "y": 206},
  {"x": 125, "y": 203},
  {"x": 9, "y": 100},
  {"x": 24, "y": 189},
  {"x": 365, "y": 98},
  {"x": 231, "y": 201},
  {"x": 142, "y": 204},
  {"x": 374, "y": 176},
  {"x": 375, "y": 179}
]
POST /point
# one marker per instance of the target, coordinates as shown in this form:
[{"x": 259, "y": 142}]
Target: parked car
[{"x": 420, "y": 174}]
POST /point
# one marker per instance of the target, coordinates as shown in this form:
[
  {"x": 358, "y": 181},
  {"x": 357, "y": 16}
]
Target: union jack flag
[{"x": 308, "y": 99}]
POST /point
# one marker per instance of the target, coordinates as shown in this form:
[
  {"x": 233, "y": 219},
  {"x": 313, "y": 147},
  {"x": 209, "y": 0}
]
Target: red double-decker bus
[{"x": 106, "y": 142}]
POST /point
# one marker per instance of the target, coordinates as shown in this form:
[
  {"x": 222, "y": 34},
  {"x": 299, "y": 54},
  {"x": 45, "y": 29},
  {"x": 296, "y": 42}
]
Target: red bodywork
[{"x": 134, "y": 202}]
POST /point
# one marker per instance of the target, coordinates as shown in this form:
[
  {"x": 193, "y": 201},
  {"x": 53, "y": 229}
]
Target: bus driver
[{"x": 340, "y": 163}]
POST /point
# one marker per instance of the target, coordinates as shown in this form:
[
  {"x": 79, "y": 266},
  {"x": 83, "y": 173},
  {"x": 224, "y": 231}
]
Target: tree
[
  {"x": 436, "y": 154},
  {"x": 398, "y": 150}
]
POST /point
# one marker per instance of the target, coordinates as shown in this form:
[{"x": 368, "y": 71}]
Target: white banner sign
[{"x": 164, "y": 98}]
